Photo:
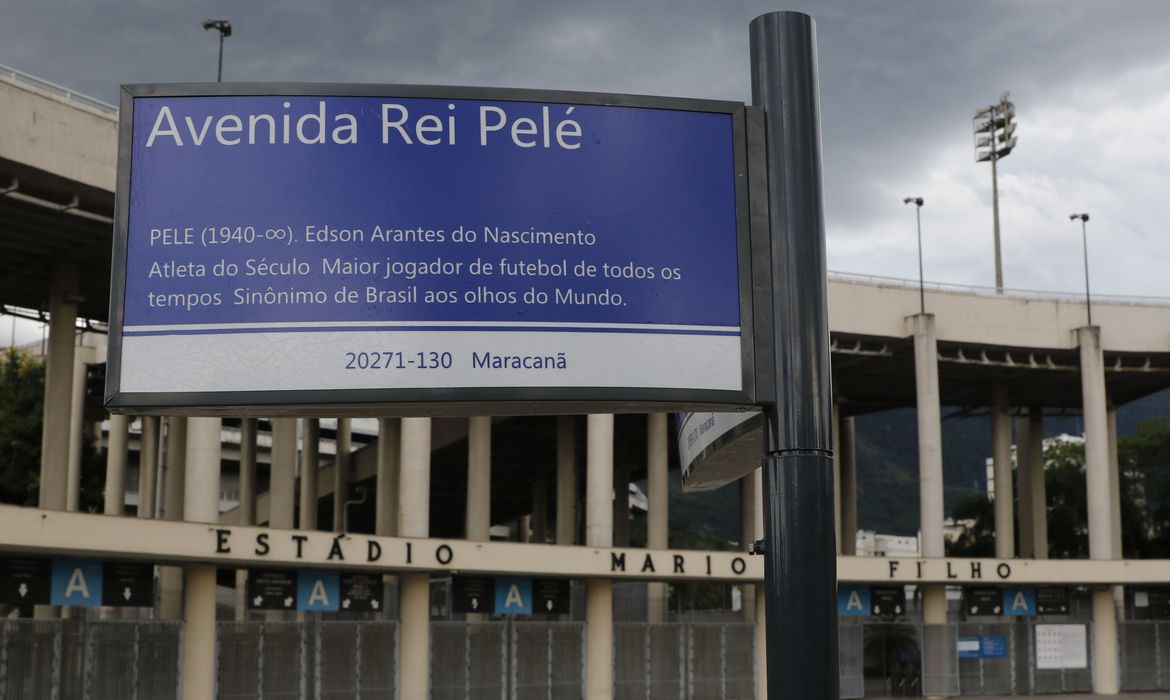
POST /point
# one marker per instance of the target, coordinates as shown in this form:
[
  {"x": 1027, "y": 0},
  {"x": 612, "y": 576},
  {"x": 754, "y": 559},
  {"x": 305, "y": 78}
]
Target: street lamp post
[
  {"x": 1085, "y": 247},
  {"x": 995, "y": 139},
  {"x": 224, "y": 28},
  {"x": 918, "y": 202}
]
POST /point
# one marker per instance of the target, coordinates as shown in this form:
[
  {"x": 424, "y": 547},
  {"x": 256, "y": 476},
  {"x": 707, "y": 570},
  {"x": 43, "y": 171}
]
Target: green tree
[
  {"x": 22, "y": 389},
  {"x": 1144, "y": 480},
  {"x": 979, "y": 539},
  {"x": 1068, "y": 516},
  {"x": 22, "y": 382}
]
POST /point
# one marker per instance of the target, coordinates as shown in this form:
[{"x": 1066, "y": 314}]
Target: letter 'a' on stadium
[{"x": 286, "y": 248}]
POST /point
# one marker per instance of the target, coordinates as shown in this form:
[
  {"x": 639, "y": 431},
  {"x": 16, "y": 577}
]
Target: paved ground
[{"x": 1090, "y": 696}]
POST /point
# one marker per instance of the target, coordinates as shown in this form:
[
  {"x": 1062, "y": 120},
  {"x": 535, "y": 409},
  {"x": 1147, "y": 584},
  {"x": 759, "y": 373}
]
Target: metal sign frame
[{"x": 433, "y": 401}]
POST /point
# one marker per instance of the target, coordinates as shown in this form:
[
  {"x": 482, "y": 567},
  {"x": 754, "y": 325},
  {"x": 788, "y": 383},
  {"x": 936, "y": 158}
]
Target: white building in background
[{"x": 873, "y": 544}]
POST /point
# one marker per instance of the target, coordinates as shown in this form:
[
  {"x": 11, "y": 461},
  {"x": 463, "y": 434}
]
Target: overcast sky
[{"x": 899, "y": 81}]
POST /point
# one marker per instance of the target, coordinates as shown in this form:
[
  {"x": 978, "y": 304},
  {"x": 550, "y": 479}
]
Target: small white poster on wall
[{"x": 1061, "y": 646}]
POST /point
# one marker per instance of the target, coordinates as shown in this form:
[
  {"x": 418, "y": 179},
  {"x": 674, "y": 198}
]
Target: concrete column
[
  {"x": 540, "y": 510},
  {"x": 930, "y": 480},
  {"x": 175, "y": 468},
  {"x": 658, "y": 507},
  {"x": 414, "y": 509},
  {"x": 58, "y": 404},
  {"x": 1105, "y": 662},
  {"x": 1114, "y": 483},
  {"x": 1024, "y": 468},
  {"x": 848, "y": 479},
  {"x": 1098, "y": 483},
  {"x": 599, "y": 490},
  {"x": 747, "y": 528},
  {"x": 930, "y": 473},
  {"x": 1099, "y": 491},
  {"x": 114, "y": 500},
  {"x": 282, "y": 476},
  {"x": 170, "y": 578},
  {"x": 414, "y": 588},
  {"x": 621, "y": 506},
  {"x": 148, "y": 467},
  {"x": 200, "y": 504},
  {"x": 341, "y": 475},
  {"x": 247, "y": 507},
  {"x": 1039, "y": 490},
  {"x": 198, "y": 632},
  {"x": 310, "y": 471},
  {"x": 386, "y": 497},
  {"x": 1001, "y": 458},
  {"x": 478, "y": 515},
  {"x": 115, "y": 497},
  {"x": 76, "y": 427},
  {"x": 414, "y": 603},
  {"x": 566, "y": 480},
  {"x": 934, "y": 604},
  {"x": 386, "y": 485},
  {"x": 201, "y": 474}
]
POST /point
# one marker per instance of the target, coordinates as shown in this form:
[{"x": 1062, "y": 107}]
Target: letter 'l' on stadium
[{"x": 465, "y": 392}]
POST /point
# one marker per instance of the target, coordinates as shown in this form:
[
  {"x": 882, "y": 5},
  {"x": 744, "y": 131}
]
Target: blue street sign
[
  {"x": 428, "y": 242},
  {"x": 994, "y": 647},
  {"x": 1019, "y": 601},
  {"x": 853, "y": 601},
  {"x": 76, "y": 582},
  {"x": 318, "y": 591},
  {"x": 513, "y": 595}
]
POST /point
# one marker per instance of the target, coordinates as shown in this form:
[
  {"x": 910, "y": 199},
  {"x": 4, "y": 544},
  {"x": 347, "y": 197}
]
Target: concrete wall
[
  {"x": 64, "y": 138},
  {"x": 880, "y": 309}
]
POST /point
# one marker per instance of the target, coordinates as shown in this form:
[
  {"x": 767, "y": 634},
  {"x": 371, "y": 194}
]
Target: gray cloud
[{"x": 900, "y": 81}]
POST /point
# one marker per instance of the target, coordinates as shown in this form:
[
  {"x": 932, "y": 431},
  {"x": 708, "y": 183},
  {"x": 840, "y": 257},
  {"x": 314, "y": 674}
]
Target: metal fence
[
  {"x": 507, "y": 660},
  {"x": 685, "y": 660},
  {"x": 1016, "y": 673},
  {"x": 1145, "y": 655},
  {"x": 519, "y": 660},
  {"x": 318, "y": 660},
  {"x": 76, "y": 659},
  {"x": 897, "y": 659}
]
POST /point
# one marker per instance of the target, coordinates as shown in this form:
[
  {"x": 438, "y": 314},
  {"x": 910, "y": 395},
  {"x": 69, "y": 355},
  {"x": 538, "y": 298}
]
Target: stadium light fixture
[{"x": 994, "y": 139}]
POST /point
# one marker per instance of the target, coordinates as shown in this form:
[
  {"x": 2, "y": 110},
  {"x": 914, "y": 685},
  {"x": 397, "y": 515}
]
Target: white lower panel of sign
[{"x": 289, "y": 361}]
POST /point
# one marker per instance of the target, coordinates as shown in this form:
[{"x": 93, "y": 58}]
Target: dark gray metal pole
[
  {"x": 1085, "y": 248},
  {"x": 921, "y": 282},
  {"x": 800, "y": 564},
  {"x": 219, "y": 72}
]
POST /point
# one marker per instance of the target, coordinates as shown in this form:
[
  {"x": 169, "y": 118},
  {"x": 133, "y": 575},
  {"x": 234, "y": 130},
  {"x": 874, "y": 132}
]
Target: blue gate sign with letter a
[
  {"x": 77, "y": 582},
  {"x": 318, "y": 591},
  {"x": 1019, "y": 601},
  {"x": 853, "y": 601},
  {"x": 513, "y": 595}
]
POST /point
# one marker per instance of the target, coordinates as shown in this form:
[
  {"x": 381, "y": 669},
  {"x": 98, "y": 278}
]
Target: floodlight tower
[{"x": 995, "y": 139}]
